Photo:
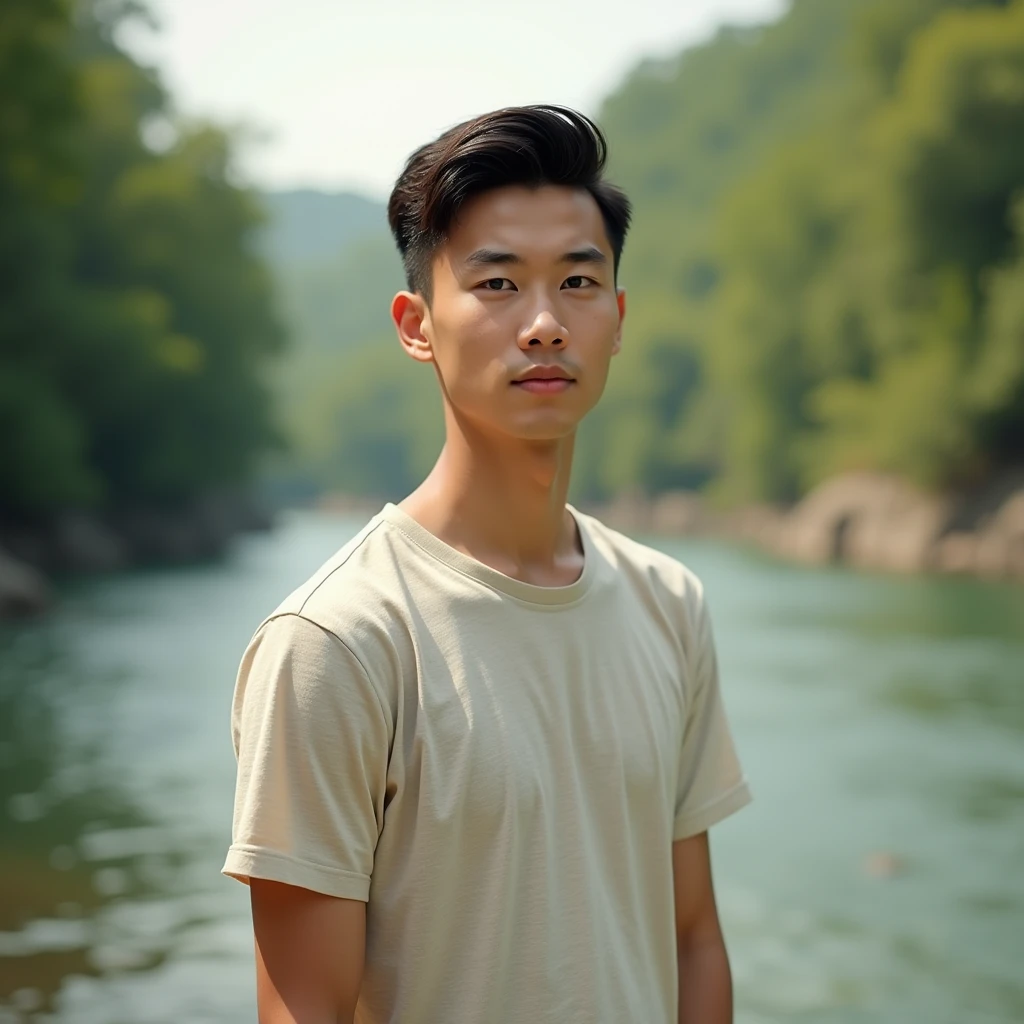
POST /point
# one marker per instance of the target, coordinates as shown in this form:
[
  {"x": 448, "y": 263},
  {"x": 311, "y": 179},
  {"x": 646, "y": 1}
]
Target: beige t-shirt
[{"x": 499, "y": 769}]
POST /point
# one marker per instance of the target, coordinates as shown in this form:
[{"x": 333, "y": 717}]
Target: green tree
[
  {"x": 934, "y": 249},
  {"x": 139, "y": 318},
  {"x": 684, "y": 134},
  {"x": 825, "y": 240},
  {"x": 42, "y": 455}
]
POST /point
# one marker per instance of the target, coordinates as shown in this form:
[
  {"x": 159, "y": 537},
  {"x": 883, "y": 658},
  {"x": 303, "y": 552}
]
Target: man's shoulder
[
  {"x": 644, "y": 566},
  {"x": 346, "y": 593}
]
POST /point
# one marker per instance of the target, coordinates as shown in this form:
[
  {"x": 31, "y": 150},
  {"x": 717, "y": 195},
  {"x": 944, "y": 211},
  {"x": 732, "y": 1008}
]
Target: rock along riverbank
[
  {"x": 867, "y": 521},
  {"x": 32, "y": 555}
]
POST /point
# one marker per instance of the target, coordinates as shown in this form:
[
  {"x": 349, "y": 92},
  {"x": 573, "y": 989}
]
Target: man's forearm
[{"x": 705, "y": 983}]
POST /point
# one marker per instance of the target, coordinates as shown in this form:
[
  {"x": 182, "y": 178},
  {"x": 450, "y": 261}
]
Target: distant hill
[
  {"x": 335, "y": 269},
  {"x": 306, "y": 225}
]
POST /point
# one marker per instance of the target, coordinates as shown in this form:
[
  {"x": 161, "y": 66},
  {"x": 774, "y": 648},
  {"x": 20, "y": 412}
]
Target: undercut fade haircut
[{"x": 531, "y": 146}]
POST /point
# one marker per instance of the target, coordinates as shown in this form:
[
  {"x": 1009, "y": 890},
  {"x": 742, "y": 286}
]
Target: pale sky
[{"x": 346, "y": 89}]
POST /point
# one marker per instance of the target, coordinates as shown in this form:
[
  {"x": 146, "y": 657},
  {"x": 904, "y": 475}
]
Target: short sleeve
[
  {"x": 711, "y": 783},
  {"x": 312, "y": 737}
]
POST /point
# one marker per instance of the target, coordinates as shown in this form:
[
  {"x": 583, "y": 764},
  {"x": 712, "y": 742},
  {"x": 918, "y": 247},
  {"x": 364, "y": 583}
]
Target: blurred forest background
[{"x": 826, "y": 274}]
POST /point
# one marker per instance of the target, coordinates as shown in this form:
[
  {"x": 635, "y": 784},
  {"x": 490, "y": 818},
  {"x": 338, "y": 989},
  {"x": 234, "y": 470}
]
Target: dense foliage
[
  {"x": 135, "y": 312},
  {"x": 826, "y": 270}
]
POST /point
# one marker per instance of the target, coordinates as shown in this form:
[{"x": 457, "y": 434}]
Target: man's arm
[
  {"x": 309, "y": 954},
  {"x": 705, "y": 981}
]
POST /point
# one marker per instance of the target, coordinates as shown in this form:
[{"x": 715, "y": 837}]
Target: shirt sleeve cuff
[
  {"x": 692, "y": 823},
  {"x": 244, "y": 862}
]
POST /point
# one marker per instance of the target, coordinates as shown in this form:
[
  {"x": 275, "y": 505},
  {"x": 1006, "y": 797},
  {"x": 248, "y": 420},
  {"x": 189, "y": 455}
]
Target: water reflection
[
  {"x": 879, "y": 606},
  {"x": 82, "y": 865},
  {"x": 990, "y": 693}
]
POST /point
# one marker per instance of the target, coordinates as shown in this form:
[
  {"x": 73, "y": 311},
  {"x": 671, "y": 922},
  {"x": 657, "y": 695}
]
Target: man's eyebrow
[
  {"x": 491, "y": 257},
  {"x": 590, "y": 254},
  {"x": 498, "y": 257}
]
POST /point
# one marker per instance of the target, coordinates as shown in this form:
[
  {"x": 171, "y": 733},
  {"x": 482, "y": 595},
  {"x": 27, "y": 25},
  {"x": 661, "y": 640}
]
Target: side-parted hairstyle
[{"x": 531, "y": 146}]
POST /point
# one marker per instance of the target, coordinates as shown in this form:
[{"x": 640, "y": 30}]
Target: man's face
[{"x": 525, "y": 315}]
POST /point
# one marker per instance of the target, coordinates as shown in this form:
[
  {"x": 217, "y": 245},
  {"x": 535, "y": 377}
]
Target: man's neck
[{"x": 503, "y": 503}]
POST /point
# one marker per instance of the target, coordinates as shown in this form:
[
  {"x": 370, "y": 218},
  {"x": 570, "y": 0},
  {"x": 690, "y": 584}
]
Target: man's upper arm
[
  {"x": 309, "y": 954},
  {"x": 312, "y": 738}
]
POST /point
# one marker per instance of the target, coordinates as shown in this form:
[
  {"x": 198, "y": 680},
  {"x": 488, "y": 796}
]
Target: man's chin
[
  {"x": 537, "y": 425},
  {"x": 548, "y": 429}
]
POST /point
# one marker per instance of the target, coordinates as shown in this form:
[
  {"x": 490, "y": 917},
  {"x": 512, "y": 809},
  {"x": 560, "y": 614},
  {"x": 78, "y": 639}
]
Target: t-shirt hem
[
  {"x": 244, "y": 862},
  {"x": 712, "y": 813}
]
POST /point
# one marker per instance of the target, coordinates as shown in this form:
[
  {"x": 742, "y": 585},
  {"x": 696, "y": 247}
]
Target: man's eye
[
  {"x": 497, "y": 284},
  {"x": 578, "y": 281}
]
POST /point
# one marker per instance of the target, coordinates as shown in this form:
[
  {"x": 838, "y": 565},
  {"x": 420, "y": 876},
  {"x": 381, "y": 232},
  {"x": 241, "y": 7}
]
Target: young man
[{"x": 480, "y": 749}]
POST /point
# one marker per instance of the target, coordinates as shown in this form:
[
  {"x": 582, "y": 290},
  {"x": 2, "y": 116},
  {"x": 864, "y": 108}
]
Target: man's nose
[{"x": 545, "y": 331}]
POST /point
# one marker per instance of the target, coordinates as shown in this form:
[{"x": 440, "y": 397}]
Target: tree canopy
[
  {"x": 830, "y": 205},
  {"x": 826, "y": 272},
  {"x": 137, "y": 314}
]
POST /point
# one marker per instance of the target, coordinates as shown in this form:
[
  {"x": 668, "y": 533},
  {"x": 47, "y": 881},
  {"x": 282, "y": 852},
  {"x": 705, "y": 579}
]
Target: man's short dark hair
[{"x": 531, "y": 146}]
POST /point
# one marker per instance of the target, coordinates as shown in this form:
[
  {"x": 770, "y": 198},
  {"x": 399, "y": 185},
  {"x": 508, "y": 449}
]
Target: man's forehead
[{"x": 528, "y": 221}]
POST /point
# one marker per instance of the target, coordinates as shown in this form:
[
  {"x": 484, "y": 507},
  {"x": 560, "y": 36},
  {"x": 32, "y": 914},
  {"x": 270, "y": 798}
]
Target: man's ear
[
  {"x": 412, "y": 321},
  {"x": 620, "y": 298}
]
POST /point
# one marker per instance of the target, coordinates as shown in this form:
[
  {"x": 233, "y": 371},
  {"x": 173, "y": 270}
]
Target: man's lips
[
  {"x": 544, "y": 385},
  {"x": 544, "y": 380}
]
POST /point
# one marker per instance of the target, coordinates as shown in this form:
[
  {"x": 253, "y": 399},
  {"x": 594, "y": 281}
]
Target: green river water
[{"x": 878, "y": 876}]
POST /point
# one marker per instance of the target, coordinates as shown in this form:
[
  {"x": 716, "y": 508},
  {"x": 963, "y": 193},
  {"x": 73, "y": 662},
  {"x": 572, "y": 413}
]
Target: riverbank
[
  {"x": 867, "y": 521},
  {"x": 32, "y": 555}
]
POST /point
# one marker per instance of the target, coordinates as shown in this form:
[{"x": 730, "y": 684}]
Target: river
[{"x": 878, "y": 876}]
